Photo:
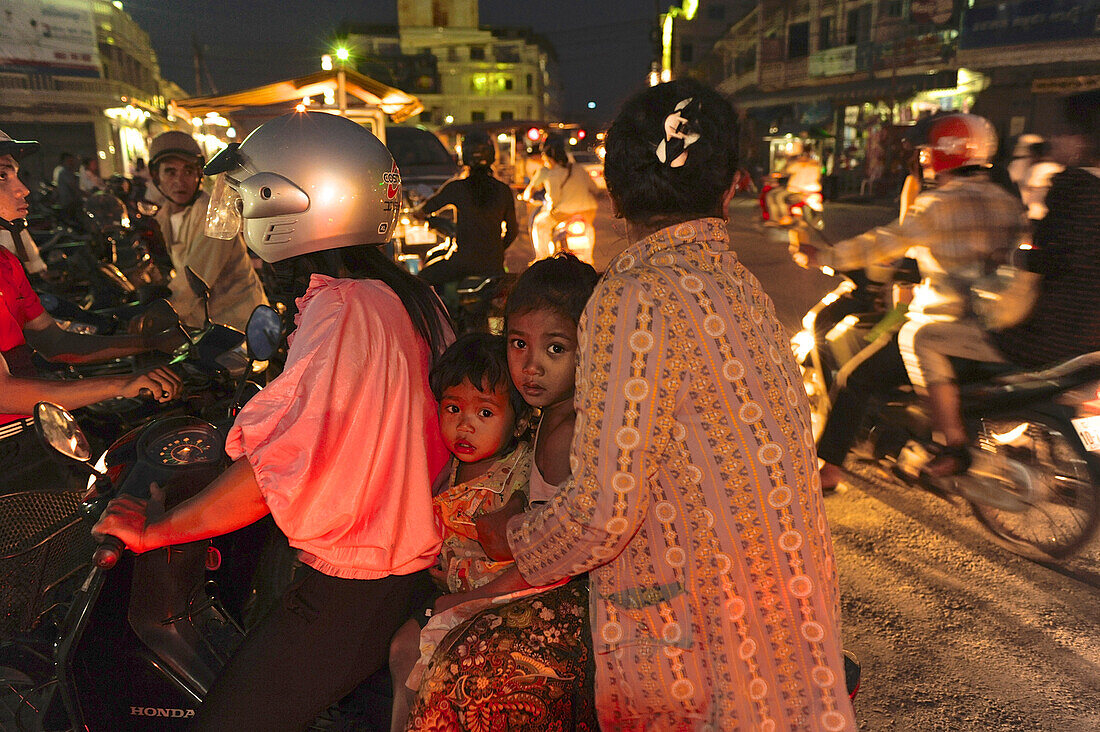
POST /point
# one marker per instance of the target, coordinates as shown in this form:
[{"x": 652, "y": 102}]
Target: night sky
[{"x": 602, "y": 45}]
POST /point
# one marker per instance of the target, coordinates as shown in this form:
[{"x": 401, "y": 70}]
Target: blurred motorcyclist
[
  {"x": 486, "y": 221},
  {"x": 803, "y": 173},
  {"x": 566, "y": 194},
  {"x": 1065, "y": 318},
  {"x": 235, "y": 290},
  {"x": 953, "y": 231},
  {"x": 24, "y": 325}
]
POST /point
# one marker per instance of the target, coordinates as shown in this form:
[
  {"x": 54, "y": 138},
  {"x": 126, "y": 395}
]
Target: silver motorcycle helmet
[{"x": 304, "y": 182}]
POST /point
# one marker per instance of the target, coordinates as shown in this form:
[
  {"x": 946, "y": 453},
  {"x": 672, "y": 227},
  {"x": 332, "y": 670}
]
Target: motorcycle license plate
[
  {"x": 419, "y": 235},
  {"x": 1088, "y": 429}
]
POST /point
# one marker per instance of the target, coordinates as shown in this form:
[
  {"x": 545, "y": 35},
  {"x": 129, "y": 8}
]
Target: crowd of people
[{"x": 611, "y": 514}]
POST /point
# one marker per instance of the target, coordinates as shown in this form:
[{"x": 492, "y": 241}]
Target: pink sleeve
[{"x": 345, "y": 442}]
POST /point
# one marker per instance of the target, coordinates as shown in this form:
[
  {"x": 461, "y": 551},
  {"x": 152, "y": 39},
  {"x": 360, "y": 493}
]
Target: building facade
[
  {"x": 460, "y": 71},
  {"x": 852, "y": 75},
  {"x": 81, "y": 76}
]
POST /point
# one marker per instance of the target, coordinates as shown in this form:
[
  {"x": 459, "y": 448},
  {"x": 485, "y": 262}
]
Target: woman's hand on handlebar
[
  {"x": 127, "y": 518},
  {"x": 161, "y": 384}
]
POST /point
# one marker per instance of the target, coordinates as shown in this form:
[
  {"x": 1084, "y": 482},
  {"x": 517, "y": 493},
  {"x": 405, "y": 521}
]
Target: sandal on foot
[{"x": 950, "y": 460}]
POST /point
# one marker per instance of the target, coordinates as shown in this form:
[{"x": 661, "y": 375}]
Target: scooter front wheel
[{"x": 1044, "y": 497}]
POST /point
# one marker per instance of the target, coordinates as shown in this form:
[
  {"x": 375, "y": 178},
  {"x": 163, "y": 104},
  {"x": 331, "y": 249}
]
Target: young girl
[
  {"x": 481, "y": 417},
  {"x": 533, "y": 659}
]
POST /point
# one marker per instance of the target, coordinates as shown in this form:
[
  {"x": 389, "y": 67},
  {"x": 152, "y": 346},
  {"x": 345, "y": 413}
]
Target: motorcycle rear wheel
[{"x": 1064, "y": 512}]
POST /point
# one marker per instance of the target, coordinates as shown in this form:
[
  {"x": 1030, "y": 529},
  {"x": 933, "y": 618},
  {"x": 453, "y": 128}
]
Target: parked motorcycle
[
  {"x": 1034, "y": 481},
  {"x": 134, "y": 648}
]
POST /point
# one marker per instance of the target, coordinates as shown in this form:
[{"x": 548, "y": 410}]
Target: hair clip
[{"x": 672, "y": 151}]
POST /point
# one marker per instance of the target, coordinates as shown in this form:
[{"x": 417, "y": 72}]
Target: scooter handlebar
[{"x": 108, "y": 552}]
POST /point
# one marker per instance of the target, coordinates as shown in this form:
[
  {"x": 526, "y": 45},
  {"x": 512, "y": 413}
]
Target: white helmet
[{"x": 305, "y": 182}]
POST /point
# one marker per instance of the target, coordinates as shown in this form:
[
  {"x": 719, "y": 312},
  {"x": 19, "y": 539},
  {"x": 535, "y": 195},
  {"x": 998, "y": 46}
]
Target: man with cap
[
  {"x": 175, "y": 162},
  {"x": 24, "y": 325},
  {"x": 13, "y": 229}
]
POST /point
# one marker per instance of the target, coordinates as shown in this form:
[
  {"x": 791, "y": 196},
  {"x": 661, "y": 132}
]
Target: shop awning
[
  {"x": 398, "y": 105},
  {"x": 850, "y": 91}
]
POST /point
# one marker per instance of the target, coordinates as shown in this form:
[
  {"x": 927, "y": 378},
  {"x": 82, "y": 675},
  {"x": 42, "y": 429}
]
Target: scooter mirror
[
  {"x": 202, "y": 291},
  {"x": 57, "y": 428},
  {"x": 263, "y": 333}
]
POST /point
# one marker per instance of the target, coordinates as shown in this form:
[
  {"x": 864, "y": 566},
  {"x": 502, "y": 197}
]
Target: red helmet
[{"x": 959, "y": 140}]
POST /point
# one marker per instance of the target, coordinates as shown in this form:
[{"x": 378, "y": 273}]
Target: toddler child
[{"x": 481, "y": 417}]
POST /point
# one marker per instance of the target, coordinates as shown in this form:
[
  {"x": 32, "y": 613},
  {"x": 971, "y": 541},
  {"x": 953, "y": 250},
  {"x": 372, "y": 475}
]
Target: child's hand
[
  {"x": 444, "y": 603},
  {"x": 492, "y": 528},
  {"x": 439, "y": 577}
]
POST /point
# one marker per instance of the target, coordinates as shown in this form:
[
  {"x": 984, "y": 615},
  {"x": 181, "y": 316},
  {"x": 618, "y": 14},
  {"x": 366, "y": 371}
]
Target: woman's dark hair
[
  {"x": 366, "y": 261},
  {"x": 561, "y": 283},
  {"x": 645, "y": 189},
  {"x": 481, "y": 359}
]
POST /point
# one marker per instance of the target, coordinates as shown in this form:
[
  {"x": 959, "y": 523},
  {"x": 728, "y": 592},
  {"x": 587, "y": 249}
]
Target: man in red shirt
[{"x": 24, "y": 325}]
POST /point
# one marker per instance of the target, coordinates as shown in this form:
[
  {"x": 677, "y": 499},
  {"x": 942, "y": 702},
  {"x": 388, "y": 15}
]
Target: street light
[
  {"x": 342, "y": 56},
  {"x": 686, "y": 10}
]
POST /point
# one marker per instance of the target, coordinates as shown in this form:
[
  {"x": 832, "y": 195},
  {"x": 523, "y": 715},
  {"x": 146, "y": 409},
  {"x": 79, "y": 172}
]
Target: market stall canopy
[{"x": 396, "y": 104}]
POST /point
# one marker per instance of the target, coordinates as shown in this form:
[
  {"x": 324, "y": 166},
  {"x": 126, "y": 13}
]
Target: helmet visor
[{"x": 223, "y": 216}]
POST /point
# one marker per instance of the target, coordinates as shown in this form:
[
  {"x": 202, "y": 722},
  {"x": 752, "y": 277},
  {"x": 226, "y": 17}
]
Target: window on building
[
  {"x": 825, "y": 33},
  {"x": 746, "y": 61},
  {"x": 506, "y": 82},
  {"x": 859, "y": 25},
  {"x": 479, "y": 84},
  {"x": 477, "y": 115},
  {"x": 891, "y": 8},
  {"x": 798, "y": 40},
  {"x": 530, "y": 82},
  {"x": 507, "y": 114},
  {"x": 477, "y": 53},
  {"x": 439, "y": 14},
  {"x": 686, "y": 53}
]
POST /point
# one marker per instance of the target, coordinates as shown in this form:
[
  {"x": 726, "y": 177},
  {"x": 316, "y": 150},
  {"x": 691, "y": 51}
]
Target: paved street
[{"x": 954, "y": 633}]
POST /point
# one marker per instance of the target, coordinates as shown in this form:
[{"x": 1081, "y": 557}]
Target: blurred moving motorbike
[
  {"x": 806, "y": 209},
  {"x": 1034, "y": 481}
]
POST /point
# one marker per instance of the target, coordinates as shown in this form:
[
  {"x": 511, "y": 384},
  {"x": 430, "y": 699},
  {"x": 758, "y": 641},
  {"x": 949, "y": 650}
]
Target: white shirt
[{"x": 567, "y": 193}]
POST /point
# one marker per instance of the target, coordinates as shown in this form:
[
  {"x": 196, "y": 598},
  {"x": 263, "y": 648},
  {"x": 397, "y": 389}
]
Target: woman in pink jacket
[{"x": 342, "y": 447}]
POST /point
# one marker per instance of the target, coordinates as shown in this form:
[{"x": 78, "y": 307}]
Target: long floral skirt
[{"x": 521, "y": 666}]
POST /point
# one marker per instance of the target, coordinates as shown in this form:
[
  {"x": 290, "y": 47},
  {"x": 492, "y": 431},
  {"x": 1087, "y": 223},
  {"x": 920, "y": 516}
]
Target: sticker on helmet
[
  {"x": 392, "y": 179},
  {"x": 383, "y": 227}
]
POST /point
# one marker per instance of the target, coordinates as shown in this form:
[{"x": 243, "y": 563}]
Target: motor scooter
[
  {"x": 1034, "y": 478},
  {"x": 806, "y": 209},
  {"x": 141, "y": 638}
]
